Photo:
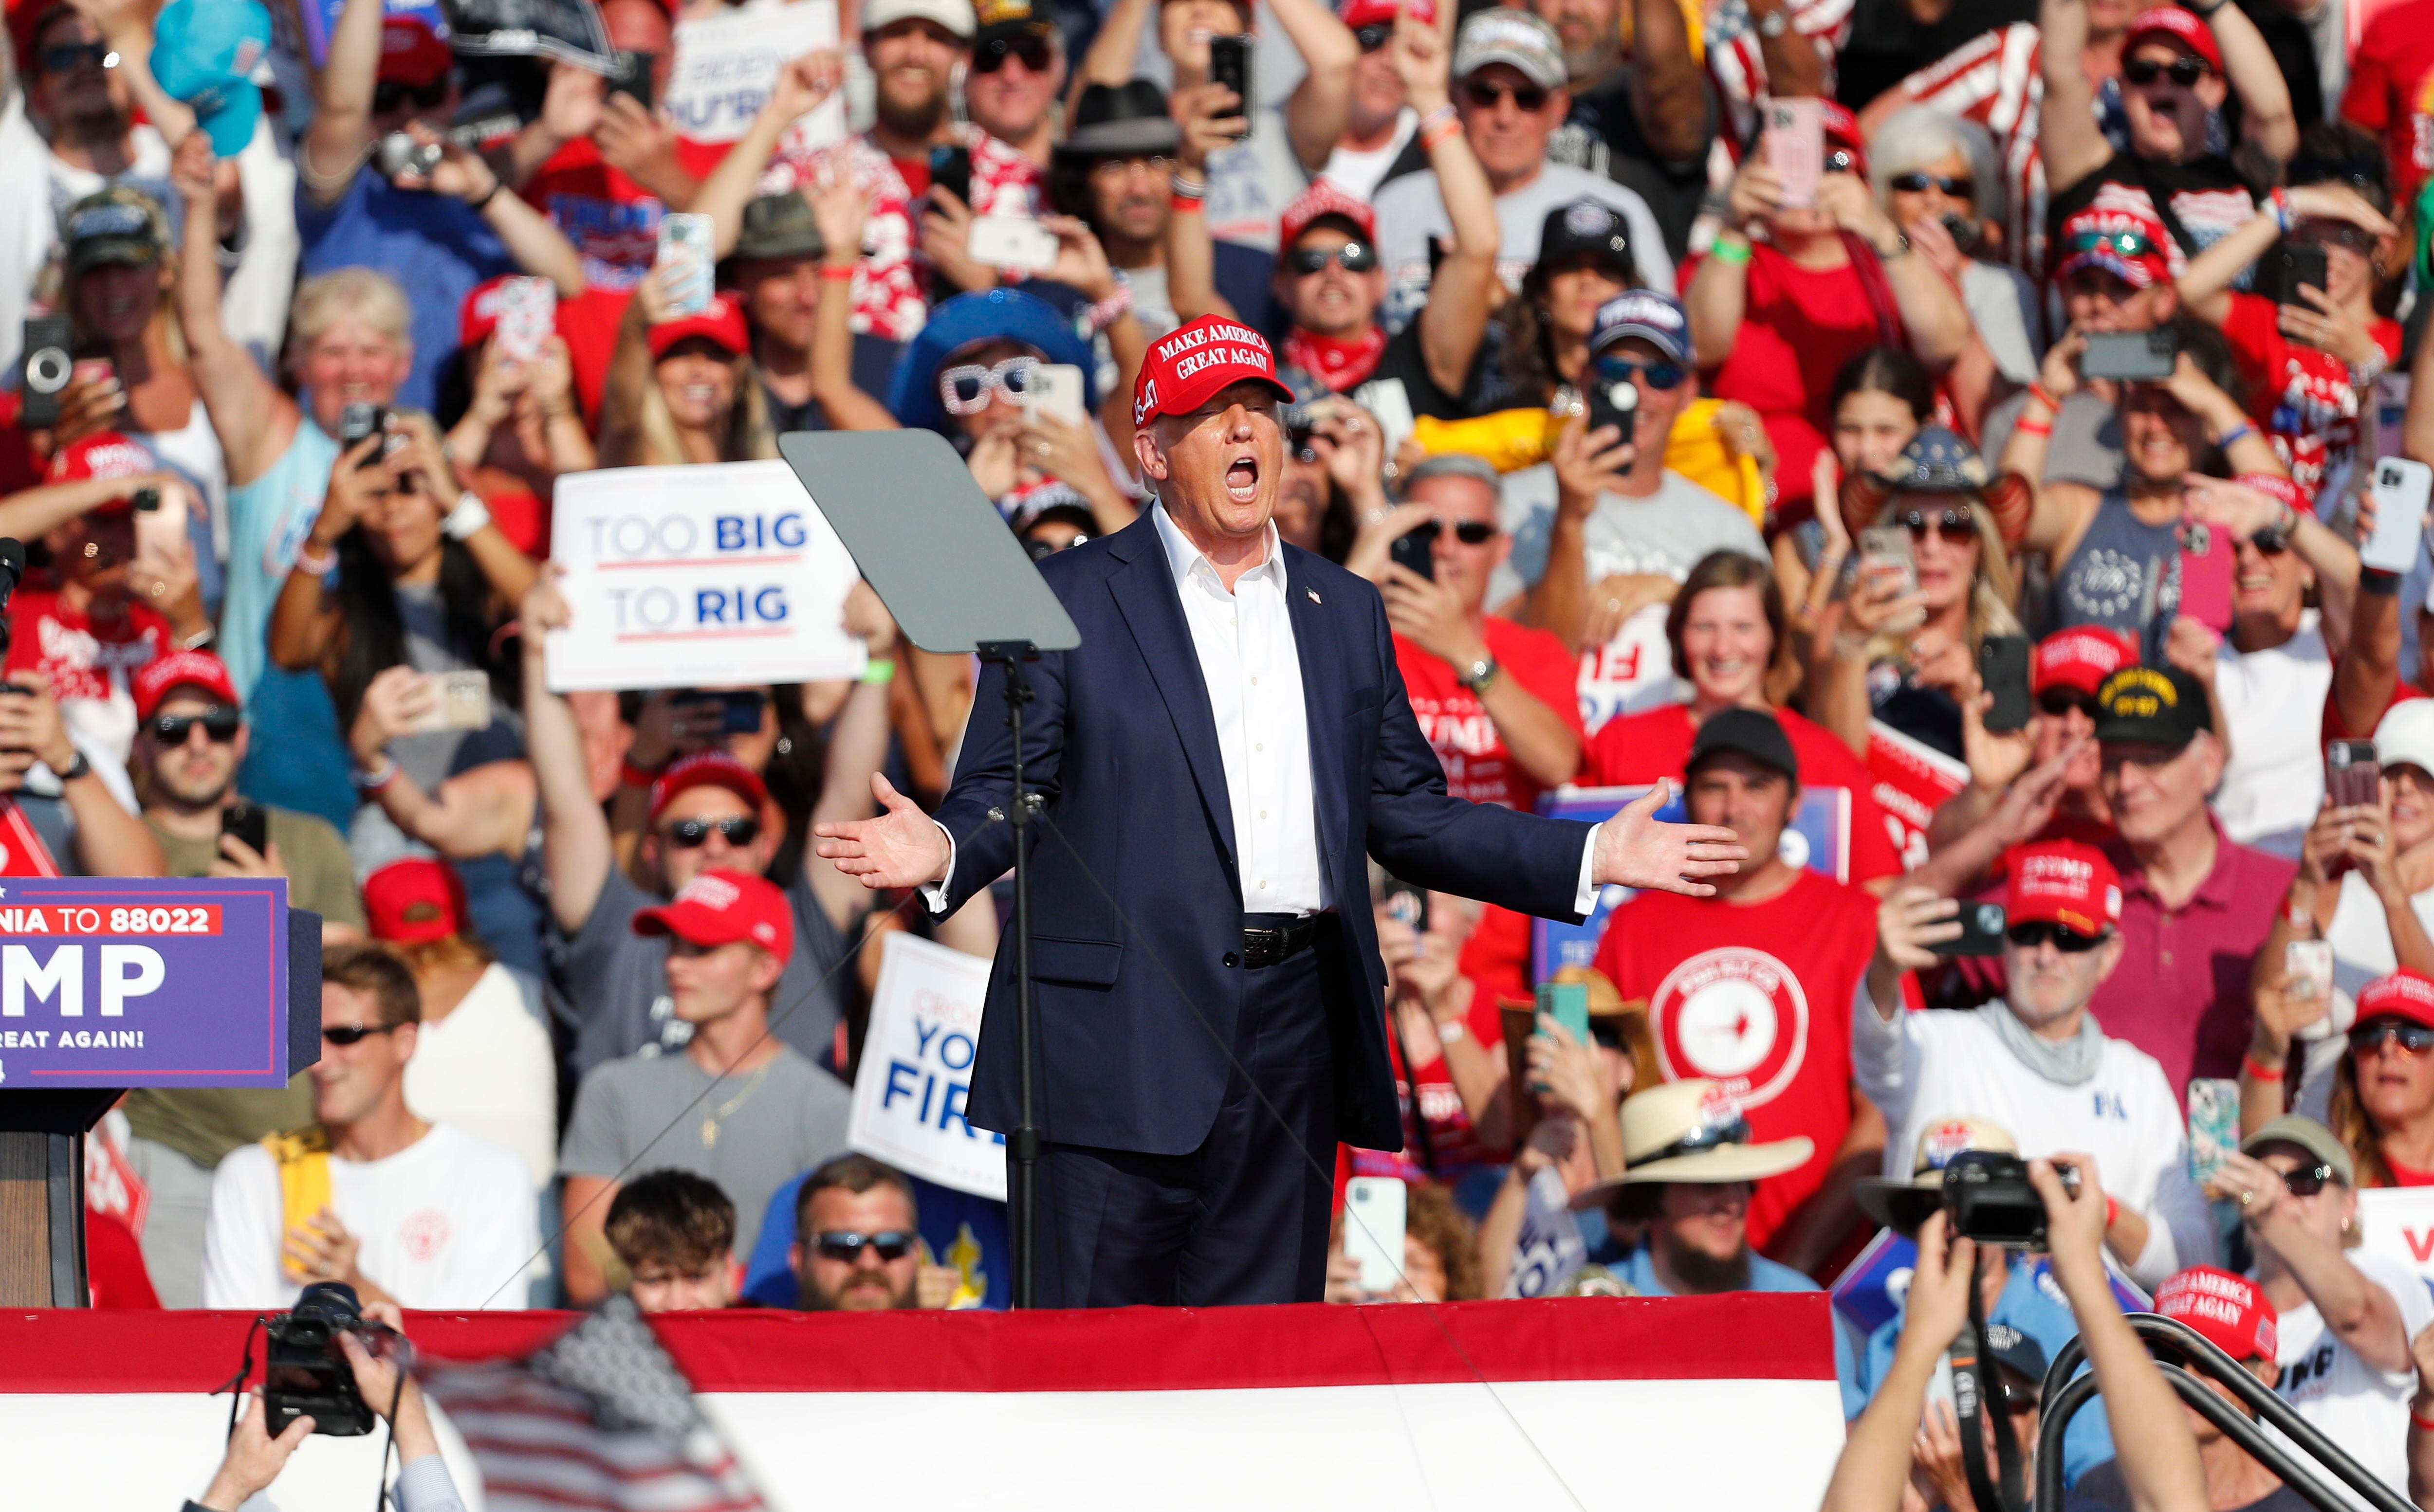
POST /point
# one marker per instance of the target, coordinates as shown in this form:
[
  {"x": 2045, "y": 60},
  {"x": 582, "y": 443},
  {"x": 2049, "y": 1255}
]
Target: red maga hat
[
  {"x": 2081, "y": 657},
  {"x": 721, "y": 320},
  {"x": 2228, "y": 1311},
  {"x": 413, "y": 900},
  {"x": 707, "y": 769},
  {"x": 2173, "y": 23},
  {"x": 719, "y": 907},
  {"x": 1321, "y": 201},
  {"x": 2405, "y": 993},
  {"x": 1192, "y": 362},
  {"x": 183, "y": 669},
  {"x": 2066, "y": 883}
]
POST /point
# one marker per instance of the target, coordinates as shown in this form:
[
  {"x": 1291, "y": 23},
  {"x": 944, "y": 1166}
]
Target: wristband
[
  {"x": 477, "y": 206},
  {"x": 634, "y": 776},
  {"x": 2033, "y": 428},
  {"x": 379, "y": 778},
  {"x": 2249, "y": 1063},
  {"x": 1440, "y": 116},
  {"x": 837, "y": 273},
  {"x": 1111, "y": 309},
  {"x": 1732, "y": 254},
  {"x": 2279, "y": 204},
  {"x": 877, "y": 671},
  {"x": 1184, "y": 205},
  {"x": 1181, "y": 187},
  {"x": 320, "y": 564},
  {"x": 2243, "y": 429},
  {"x": 1443, "y": 131},
  {"x": 2377, "y": 581},
  {"x": 1451, "y": 1032},
  {"x": 2037, "y": 391},
  {"x": 2112, "y": 1210},
  {"x": 2363, "y": 375},
  {"x": 467, "y": 518}
]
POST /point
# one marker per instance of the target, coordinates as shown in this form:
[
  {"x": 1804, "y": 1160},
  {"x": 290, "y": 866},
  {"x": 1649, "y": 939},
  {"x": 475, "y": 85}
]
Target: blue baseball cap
[
  {"x": 204, "y": 53},
  {"x": 966, "y": 320},
  {"x": 1655, "y": 318}
]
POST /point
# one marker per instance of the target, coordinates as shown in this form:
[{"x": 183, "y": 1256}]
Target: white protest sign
[
  {"x": 725, "y": 67},
  {"x": 722, "y": 573},
  {"x": 2397, "y": 1222},
  {"x": 916, "y": 1069}
]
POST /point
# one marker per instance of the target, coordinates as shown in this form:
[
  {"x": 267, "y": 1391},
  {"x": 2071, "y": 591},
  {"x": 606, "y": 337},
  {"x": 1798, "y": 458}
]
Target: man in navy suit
[{"x": 1229, "y": 742}]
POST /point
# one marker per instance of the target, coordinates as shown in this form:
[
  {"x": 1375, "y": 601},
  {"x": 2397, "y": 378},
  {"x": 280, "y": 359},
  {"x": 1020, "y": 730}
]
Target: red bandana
[{"x": 1339, "y": 362}]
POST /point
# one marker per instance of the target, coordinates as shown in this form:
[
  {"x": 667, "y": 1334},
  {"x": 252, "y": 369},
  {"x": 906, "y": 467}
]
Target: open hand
[
  {"x": 899, "y": 848},
  {"x": 254, "y": 1458},
  {"x": 1636, "y": 850}
]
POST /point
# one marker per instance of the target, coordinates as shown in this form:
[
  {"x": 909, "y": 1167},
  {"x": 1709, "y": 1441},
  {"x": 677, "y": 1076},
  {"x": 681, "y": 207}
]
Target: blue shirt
[
  {"x": 1638, "y": 1272},
  {"x": 435, "y": 248}
]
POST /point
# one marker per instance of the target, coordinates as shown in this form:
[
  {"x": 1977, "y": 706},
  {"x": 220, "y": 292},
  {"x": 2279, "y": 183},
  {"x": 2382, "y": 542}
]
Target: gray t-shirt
[
  {"x": 648, "y": 1112},
  {"x": 1667, "y": 533},
  {"x": 2085, "y": 446},
  {"x": 1411, "y": 213},
  {"x": 615, "y": 981}
]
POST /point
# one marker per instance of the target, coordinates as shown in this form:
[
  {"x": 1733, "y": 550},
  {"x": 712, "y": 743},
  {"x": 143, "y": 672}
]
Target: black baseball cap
[
  {"x": 2150, "y": 706},
  {"x": 2016, "y": 1352},
  {"x": 1587, "y": 228},
  {"x": 1750, "y": 732}
]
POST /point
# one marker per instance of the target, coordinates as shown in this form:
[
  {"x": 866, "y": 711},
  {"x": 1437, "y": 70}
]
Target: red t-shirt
[
  {"x": 1495, "y": 958},
  {"x": 1636, "y": 749},
  {"x": 589, "y": 326},
  {"x": 113, "y": 1264},
  {"x": 1757, "y": 997},
  {"x": 2403, "y": 1176},
  {"x": 20, "y": 466},
  {"x": 2300, "y": 398},
  {"x": 84, "y": 658},
  {"x": 613, "y": 221},
  {"x": 1477, "y": 764},
  {"x": 2392, "y": 90}
]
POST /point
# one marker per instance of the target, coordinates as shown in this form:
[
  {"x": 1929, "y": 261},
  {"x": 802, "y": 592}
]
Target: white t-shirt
[
  {"x": 487, "y": 1069},
  {"x": 1411, "y": 210},
  {"x": 2272, "y": 700},
  {"x": 1357, "y": 172},
  {"x": 1924, "y": 1068},
  {"x": 447, "y": 1222},
  {"x": 2362, "y": 1409}
]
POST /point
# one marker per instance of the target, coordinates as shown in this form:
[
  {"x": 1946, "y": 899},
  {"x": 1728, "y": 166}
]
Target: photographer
[
  {"x": 2158, "y": 1461},
  {"x": 254, "y": 1458},
  {"x": 2036, "y": 1062}
]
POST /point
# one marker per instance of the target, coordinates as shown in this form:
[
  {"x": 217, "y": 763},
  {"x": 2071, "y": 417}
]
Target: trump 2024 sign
[{"x": 156, "y": 982}]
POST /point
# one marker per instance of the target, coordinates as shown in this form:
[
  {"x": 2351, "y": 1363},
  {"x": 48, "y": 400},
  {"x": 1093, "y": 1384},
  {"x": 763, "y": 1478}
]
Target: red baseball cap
[
  {"x": 479, "y": 315},
  {"x": 2228, "y": 1311},
  {"x": 2405, "y": 993},
  {"x": 2131, "y": 248},
  {"x": 104, "y": 454},
  {"x": 2064, "y": 882},
  {"x": 413, "y": 54},
  {"x": 1359, "y": 13},
  {"x": 1842, "y": 130},
  {"x": 707, "y": 769},
  {"x": 183, "y": 669},
  {"x": 1318, "y": 203},
  {"x": 2175, "y": 24},
  {"x": 720, "y": 907},
  {"x": 415, "y": 899},
  {"x": 1189, "y": 364},
  {"x": 2081, "y": 657},
  {"x": 721, "y": 320}
]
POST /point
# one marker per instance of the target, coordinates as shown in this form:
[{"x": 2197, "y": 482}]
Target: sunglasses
[
  {"x": 1663, "y": 377},
  {"x": 1469, "y": 531},
  {"x": 1953, "y": 526},
  {"x": 1484, "y": 94},
  {"x": 2037, "y": 932},
  {"x": 1156, "y": 167},
  {"x": 1042, "y": 550},
  {"x": 2185, "y": 71},
  {"x": 389, "y": 94},
  {"x": 690, "y": 834},
  {"x": 2306, "y": 1180},
  {"x": 1373, "y": 38},
  {"x": 2414, "y": 1038},
  {"x": 2270, "y": 541},
  {"x": 845, "y": 1244},
  {"x": 2019, "y": 1402},
  {"x": 220, "y": 726},
  {"x": 965, "y": 388},
  {"x": 357, "y": 1033},
  {"x": 1354, "y": 256},
  {"x": 1034, "y": 51},
  {"x": 1918, "y": 183},
  {"x": 2127, "y": 244},
  {"x": 2058, "y": 702},
  {"x": 61, "y": 58}
]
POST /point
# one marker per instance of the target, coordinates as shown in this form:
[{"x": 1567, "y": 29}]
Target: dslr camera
[
  {"x": 307, "y": 1373},
  {"x": 1987, "y": 1198}
]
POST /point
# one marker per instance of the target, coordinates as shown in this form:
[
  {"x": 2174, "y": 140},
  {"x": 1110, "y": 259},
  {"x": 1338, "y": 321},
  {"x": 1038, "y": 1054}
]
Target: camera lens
[{"x": 47, "y": 369}]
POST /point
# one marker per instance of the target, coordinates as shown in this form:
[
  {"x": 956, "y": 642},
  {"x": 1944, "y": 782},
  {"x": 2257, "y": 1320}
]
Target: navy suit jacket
[{"x": 1136, "y": 901}]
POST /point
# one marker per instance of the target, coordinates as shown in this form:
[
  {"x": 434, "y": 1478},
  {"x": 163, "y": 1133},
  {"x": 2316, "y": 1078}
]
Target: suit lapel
[
  {"x": 1145, "y": 594},
  {"x": 1317, "y": 632}
]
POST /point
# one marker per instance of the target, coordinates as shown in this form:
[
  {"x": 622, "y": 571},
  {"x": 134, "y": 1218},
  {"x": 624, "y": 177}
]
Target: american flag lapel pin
[{"x": 1313, "y": 595}]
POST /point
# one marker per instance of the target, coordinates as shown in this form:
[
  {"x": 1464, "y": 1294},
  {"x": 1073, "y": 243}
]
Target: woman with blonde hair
[{"x": 683, "y": 387}]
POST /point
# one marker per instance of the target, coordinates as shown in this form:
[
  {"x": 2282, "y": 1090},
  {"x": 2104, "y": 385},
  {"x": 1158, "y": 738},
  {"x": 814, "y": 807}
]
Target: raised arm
[
  {"x": 1191, "y": 256},
  {"x": 1668, "y": 90},
  {"x": 504, "y": 566},
  {"x": 478, "y": 812},
  {"x": 110, "y": 842},
  {"x": 801, "y": 87},
  {"x": 840, "y": 209},
  {"x": 1587, "y": 464},
  {"x": 1321, "y": 105},
  {"x": 1463, "y": 293},
  {"x": 1930, "y": 306},
  {"x": 2068, "y": 137},
  {"x": 305, "y": 614},
  {"x": 630, "y": 369},
  {"x": 1115, "y": 48},
  {"x": 575, "y": 852},
  {"x": 2360, "y": 1313},
  {"x": 1874, "y": 1469},
  {"x": 2266, "y": 116},
  {"x": 341, "y": 137},
  {"x": 857, "y": 748},
  {"x": 1794, "y": 66},
  {"x": 1718, "y": 297},
  {"x": 253, "y": 420}
]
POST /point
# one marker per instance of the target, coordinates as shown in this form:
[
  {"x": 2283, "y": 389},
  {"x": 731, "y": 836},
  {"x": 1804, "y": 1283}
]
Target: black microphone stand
[{"x": 1023, "y": 1199}]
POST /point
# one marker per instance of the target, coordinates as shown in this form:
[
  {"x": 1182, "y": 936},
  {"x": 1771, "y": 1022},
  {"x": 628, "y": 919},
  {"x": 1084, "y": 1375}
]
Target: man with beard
[
  {"x": 81, "y": 102},
  {"x": 1690, "y": 1169},
  {"x": 858, "y": 1239},
  {"x": 2036, "y": 1060}
]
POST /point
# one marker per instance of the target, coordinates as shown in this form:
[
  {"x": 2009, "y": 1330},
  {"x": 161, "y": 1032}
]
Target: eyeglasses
[
  {"x": 1735, "y": 1131},
  {"x": 1373, "y": 38},
  {"x": 1663, "y": 377},
  {"x": 2037, "y": 932},
  {"x": 1954, "y": 525},
  {"x": 1354, "y": 256},
  {"x": 391, "y": 95},
  {"x": 2058, "y": 702},
  {"x": 357, "y": 1033},
  {"x": 2413, "y": 1039},
  {"x": 61, "y": 58},
  {"x": 992, "y": 55},
  {"x": 1482, "y": 94},
  {"x": 965, "y": 388},
  {"x": 2185, "y": 71},
  {"x": 1157, "y": 168},
  {"x": 2270, "y": 541},
  {"x": 691, "y": 834},
  {"x": 845, "y": 1244},
  {"x": 2306, "y": 1180},
  {"x": 1918, "y": 183},
  {"x": 1469, "y": 531},
  {"x": 220, "y": 726}
]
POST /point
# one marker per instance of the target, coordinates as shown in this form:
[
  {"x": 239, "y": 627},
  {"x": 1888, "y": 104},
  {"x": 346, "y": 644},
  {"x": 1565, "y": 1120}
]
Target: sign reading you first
[{"x": 155, "y": 982}]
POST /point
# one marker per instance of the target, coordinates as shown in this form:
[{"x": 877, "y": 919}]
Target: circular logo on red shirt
[
  {"x": 425, "y": 1234},
  {"x": 1735, "y": 1014}
]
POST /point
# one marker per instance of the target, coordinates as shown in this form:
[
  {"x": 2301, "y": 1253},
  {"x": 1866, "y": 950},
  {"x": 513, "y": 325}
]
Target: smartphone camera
[
  {"x": 146, "y": 501},
  {"x": 398, "y": 153}
]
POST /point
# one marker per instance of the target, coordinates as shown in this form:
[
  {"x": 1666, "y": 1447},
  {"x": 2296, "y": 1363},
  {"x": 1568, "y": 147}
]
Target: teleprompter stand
[{"x": 942, "y": 561}]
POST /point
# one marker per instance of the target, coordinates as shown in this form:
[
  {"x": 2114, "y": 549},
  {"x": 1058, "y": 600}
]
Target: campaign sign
[
  {"x": 726, "y": 65},
  {"x": 915, "y": 1076},
  {"x": 723, "y": 573},
  {"x": 2397, "y": 1222},
  {"x": 1870, "y": 1288},
  {"x": 1817, "y": 840},
  {"x": 156, "y": 982}
]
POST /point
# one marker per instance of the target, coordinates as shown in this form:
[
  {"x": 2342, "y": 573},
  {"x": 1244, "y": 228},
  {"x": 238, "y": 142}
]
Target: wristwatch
[
  {"x": 1479, "y": 674},
  {"x": 82, "y": 765},
  {"x": 1449, "y": 1030}
]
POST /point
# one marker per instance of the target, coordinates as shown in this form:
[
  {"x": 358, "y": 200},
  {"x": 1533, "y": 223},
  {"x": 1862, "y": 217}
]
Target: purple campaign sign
[{"x": 153, "y": 982}]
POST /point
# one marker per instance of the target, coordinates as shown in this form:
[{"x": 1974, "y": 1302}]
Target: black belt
[{"x": 1269, "y": 938}]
